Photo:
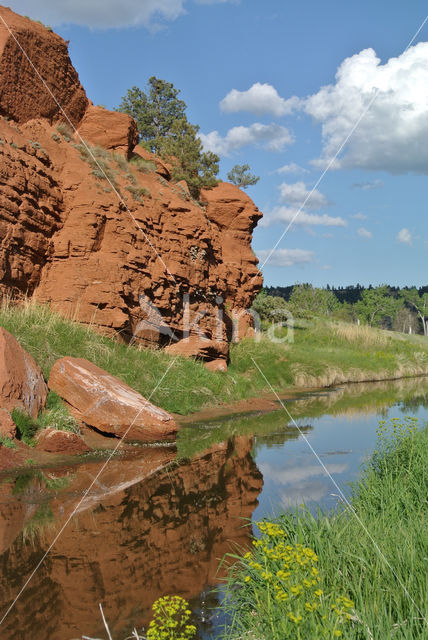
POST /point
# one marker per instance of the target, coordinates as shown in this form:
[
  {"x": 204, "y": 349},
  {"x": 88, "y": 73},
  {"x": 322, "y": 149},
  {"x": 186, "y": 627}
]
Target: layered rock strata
[{"x": 113, "y": 244}]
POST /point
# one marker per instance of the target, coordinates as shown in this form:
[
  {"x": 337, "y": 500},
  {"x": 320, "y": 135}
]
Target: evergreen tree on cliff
[
  {"x": 164, "y": 130},
  {"x": 241, "y": 176}
]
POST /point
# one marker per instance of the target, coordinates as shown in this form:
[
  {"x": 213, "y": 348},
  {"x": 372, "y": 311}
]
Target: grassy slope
[
  {"x": 322, "y": 354},
  {"x": 377, "y": 559}
]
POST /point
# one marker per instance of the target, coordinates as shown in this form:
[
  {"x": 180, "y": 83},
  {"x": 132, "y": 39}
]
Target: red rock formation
[
  {"x": 153, "y": 265},
  {"x": 21, "y": 380},
  {"x": 100, "y": 400},
  {"x": 163, "y": 535},
  {"x": 36, "y": 74},
  {"x": 54, "y": 441},
  {"x": 109, "y": 129},
  {"x": 7, "y": 425}
]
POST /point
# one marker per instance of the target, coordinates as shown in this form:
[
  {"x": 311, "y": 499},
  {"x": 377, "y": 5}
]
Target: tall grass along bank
[
  {"x": 359, "y": 573},
  {"x": 322, "y": 354}
]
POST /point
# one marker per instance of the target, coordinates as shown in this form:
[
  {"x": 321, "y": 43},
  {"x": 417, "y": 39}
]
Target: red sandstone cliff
[{"x": 132, "y": 254}]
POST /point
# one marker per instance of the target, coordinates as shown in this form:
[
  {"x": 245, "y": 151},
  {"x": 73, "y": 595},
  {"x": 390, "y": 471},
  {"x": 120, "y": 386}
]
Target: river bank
[
  {"x": 321, "y": 354},
  {"x": 359, "y": 572}
]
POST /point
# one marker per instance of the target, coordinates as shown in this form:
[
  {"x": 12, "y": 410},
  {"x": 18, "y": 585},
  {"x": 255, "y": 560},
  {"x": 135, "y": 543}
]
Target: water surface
[{"x": 158, "y": 520}]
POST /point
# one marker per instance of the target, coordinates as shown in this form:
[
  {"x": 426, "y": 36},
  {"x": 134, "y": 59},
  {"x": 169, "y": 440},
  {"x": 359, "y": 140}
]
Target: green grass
[
  {"x": 142, "y": 165},
  {"x": 322, "y": 354},
  {"x": 55, "y": 415},
  {"x": 26, "y": 426},
  {"x": 376, "y": 557},
  {"x": 8, "y": 443}
]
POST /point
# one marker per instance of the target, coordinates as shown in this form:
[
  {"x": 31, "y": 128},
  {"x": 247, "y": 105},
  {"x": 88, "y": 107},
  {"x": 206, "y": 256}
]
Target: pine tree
[
  {"x": 164, "y": 130},
  {"x": 241, "y": 176}
]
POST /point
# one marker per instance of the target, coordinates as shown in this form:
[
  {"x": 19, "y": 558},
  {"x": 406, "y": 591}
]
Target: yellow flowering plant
[
  {"x": 171, "y": 620},
  {"x": 281, "y": 589}
]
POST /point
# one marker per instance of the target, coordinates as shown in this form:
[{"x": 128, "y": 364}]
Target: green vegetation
[
  {"x": 25, "y": 479},
  {"x": 323, "y": 353},
  {"x": 241, "y": 176},
  {"x": 171, "y": 617},
  {"x": 55, "y": 415},
  {"x": 273, "y": 427},
  {"x": 9, "y": 443},
  {"x": 26, "y": 426},
  {"x": 386, "y": 307},
  {"x": 110, "y": 166},
  {"x": 65, "y": 130},
  {"x": 137, "y": 192},
  {"x": 42, "y": 520},
  {"x": 142, "y": 165},
  {"x": 99, "y": 159},
  {"x": 164, "y": 130},
  {"x": 275, "y": 592},
  {"x": 370, "y": 567}
]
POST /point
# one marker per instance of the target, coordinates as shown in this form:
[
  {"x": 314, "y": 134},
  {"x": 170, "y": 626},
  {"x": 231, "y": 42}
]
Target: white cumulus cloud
[
  {"x": 295, "y": 199},
  {"x": 104, "y": 14},
  {"x": 393, "y": 134},
  {"x": 404, "y": 236},
  {"x": 300, "y": 218},
  {"x": 359, "y": 216},
  {"x": 272, "y": 137},
  {"x": 364, "y": 233},
  {"x": 286, "y": 257},
  {"x": 291, "y": 168},
  {"x": 259, "y": 99},
  {"x": 297, "y": 194}
]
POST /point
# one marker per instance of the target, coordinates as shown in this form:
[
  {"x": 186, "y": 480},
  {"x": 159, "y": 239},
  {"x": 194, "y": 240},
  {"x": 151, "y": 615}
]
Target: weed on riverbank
[
  {"x": 322, "y": 354},
  {"x": 369, "y": 579}
]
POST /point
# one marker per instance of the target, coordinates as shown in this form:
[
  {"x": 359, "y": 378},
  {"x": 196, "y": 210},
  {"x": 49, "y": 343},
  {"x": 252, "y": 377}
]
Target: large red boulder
[
  {"x": 107, "y": 404},
  {"x": 21, "y": 380},
  {"x": 55, "y": 441},
  {"x": 109, "y": 129},
  {"x": 199, "y": 346}
]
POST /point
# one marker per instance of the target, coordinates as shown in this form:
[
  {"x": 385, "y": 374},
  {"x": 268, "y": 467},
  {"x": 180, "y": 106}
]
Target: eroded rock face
[
  {"x": 26, "y": 93},
  {"x": 21, "y": 380},
  {"x": 7, "y": 425},
  {"x": 109, "y": 129},
  {"x": 109, "y": 405},
  {"x": 151, "y": 266}
]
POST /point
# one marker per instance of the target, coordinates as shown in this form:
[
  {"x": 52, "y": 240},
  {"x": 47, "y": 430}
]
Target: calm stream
[{"x": 158, "y": 521}]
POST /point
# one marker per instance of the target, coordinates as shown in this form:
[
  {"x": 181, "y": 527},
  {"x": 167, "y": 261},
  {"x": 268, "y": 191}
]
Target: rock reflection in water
[{"x": 130, "y": 543}]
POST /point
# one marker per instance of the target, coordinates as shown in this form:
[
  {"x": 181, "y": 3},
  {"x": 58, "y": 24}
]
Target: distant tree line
[{"x": 398, "y": 309}]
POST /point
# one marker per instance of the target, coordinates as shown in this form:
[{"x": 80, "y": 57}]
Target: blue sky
[{"x": 260, "y": 80}]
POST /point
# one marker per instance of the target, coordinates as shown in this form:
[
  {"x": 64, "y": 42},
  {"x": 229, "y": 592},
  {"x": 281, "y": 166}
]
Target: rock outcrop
[
  {"x": 37, "y": 78},
  {"x": 109, "y": 129},
  {"x": 152, "y": 265},
  {"x": 7, "y": 425},
  {"x": 107, "y": 404},
  {"x": 21, "y": 380}
]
